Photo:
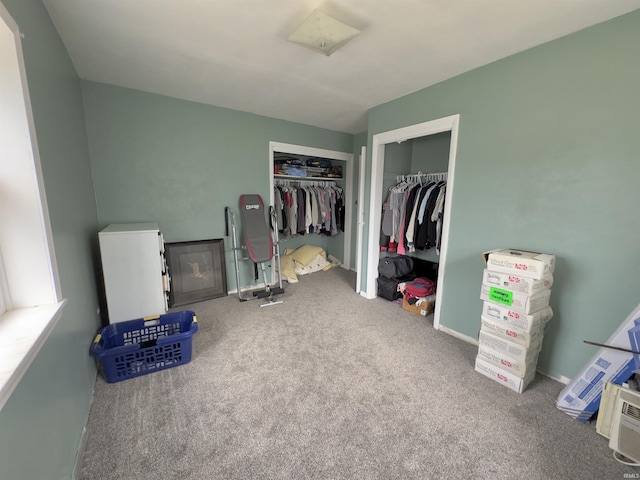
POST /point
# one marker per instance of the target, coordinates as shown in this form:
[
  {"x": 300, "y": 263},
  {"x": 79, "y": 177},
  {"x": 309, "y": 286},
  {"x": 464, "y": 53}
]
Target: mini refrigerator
[{"x": 136, "y": 278}]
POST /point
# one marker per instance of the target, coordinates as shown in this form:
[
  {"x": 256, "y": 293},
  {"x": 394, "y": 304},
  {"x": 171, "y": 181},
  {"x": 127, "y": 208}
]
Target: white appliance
[
  {"x": 619, "y": 420},
  {"x": 136, "y": 277}
]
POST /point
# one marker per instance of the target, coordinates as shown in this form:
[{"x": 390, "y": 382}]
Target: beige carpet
[{"x": 329, "y": 385}]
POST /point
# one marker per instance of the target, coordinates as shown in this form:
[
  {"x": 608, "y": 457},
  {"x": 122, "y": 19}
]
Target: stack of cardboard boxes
[{"x": 516, "y": 287}]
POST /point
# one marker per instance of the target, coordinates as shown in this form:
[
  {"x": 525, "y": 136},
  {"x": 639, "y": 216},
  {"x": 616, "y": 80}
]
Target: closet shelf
[
  {"x": 308, "y": 179},
  {"x": 314, "y": 168}
]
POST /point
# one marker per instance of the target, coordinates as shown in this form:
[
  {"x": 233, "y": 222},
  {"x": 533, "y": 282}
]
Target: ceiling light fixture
[{"x": 322, "y": 33}]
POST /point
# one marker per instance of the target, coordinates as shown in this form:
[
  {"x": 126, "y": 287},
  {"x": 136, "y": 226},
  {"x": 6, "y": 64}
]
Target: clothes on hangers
[
  {"x": 413, "y": 212},
  {"x": 317, "y": 207}
]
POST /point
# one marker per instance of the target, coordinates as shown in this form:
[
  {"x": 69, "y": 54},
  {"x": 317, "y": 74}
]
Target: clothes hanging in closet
[
  {"x": 413, "y": 213},
  {"x": 302, "y": 209}
]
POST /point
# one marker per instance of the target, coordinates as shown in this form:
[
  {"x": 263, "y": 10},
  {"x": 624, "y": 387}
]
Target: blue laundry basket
[{"x": 130, "y": 349}]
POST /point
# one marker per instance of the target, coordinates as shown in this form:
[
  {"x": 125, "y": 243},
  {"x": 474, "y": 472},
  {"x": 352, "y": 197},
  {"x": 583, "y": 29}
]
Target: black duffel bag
[
  {"x": 395, "y": 266},
  {"x": 388, "y": 287}
]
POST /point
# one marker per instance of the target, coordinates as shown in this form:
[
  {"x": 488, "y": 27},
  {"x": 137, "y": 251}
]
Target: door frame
[
  {"x": 348, "y": 191},
  {"x": 360, "y": 218},
  {"x": 379, "y": 140}
]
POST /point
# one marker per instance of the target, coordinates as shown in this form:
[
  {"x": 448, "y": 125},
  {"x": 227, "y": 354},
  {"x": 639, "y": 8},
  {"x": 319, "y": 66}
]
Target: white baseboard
[
  {"x": 561, "y": 378},
  {"x": 82, "y": 444},
  {"x": 257, "y": 286},
  {"x": 459, "y": 335},
  {"x": 79, "y": 453},
  {"x": 558, "y": 378}
]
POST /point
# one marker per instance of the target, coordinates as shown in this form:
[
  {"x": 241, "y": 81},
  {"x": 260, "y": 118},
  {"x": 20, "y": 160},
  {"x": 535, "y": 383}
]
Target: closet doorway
[
  {"x": 446, "y": 124},
  {"x": 348, "y": 182}
]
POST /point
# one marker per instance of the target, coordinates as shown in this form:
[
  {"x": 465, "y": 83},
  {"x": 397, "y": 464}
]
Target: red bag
[{"x": 420, "y": 287}]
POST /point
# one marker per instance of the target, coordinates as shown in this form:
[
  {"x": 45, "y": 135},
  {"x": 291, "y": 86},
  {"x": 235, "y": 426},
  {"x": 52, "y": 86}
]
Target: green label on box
[{"x": 501, "y": 296}]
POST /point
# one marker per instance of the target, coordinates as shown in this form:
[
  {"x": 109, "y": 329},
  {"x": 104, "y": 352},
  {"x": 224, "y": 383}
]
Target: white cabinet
[{"x": 135, "y": 274}]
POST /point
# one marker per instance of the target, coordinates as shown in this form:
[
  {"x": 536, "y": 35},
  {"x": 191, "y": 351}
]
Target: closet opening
[
  {"x": 432, "y": 150},
  {"x": 297, "y": 167}
]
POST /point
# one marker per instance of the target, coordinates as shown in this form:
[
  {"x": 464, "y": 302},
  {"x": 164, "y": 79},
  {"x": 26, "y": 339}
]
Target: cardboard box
[
  {"x": 507, "y": 379},
  {"x": 517, "y": 367},
  {"x": 506, "y": 347},
  {"x": 520, "y": 262},
  {"x": 521, "y": 321},
  {"x": 424, "y": 306},
  {"x": 518, "y": 302},
  {"x": 516, "y": 283},
  {"x": 580, "y": 399},
  {"x": 526, "y": 339}
]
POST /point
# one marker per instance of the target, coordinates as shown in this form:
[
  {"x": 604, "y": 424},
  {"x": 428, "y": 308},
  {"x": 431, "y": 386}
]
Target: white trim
[
  {"x": 348, "y": 213},
  {"x": 22, "y": 334},
  {"x": 379, "y": 140},
  {"x": 375, "y": 199},
  {"x": 348, "y": 191},
  {"x": 360, "y": 218},
  {"x": 29, "y": 274},
  {"x": 5, "y": 303},
  {"x": 32, "y": 279},
  {"x": 461, "y": 336},
  {"x": 82, "y": 447},
  {"x": 250, "y": 288},
  {"x": 561, "y": 378}
]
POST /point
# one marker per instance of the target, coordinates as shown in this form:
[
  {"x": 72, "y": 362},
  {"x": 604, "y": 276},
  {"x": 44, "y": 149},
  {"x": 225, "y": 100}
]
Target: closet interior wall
[
  {"x": 426, "y": 155},
  {"x": 332, "y": 244}
]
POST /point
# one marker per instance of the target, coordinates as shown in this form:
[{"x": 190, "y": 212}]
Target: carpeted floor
[{"x": 329, "y": 385}]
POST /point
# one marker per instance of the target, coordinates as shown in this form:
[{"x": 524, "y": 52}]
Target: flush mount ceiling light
[{"x": 322, "y": 33}]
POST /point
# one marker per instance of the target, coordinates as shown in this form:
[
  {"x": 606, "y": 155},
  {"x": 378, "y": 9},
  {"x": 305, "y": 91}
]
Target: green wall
[
  {"x": 431, "y": 153},
  {"x": 41, "y": 424},
  {"x": 397, "y": 161},
  {"x": 179, "y": 163},
  {"x": 547, "y": 161}
]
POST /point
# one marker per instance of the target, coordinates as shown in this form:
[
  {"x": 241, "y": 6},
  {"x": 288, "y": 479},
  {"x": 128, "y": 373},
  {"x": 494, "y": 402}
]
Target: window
[
  {"x": 3, "y": 287},
  {"x": 30, "y": 298}
]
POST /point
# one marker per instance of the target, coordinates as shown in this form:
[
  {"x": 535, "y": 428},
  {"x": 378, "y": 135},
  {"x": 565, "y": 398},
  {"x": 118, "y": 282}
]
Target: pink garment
[{"x": 401, "y": 249}]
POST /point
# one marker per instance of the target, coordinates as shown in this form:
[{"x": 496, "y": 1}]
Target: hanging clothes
[
  {"x": 414, "y": 211},
  {"x": 315, "y": 207}
]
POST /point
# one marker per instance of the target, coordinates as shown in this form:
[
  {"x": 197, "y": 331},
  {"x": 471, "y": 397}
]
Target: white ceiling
[{"x": 235, "y": 53}]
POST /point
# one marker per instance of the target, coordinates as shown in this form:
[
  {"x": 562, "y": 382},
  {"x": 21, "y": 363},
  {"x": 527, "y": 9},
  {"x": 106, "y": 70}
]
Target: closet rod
[{"x": 417, "y": 177}]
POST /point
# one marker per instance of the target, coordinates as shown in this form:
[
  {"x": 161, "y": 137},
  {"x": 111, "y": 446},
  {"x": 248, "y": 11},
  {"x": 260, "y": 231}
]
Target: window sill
[{"x": 22, "y": 335}]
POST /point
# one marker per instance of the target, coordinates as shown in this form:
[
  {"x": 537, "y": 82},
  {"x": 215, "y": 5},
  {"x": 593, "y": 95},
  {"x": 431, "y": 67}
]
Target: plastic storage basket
[{"x": 125, "y": 350}]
